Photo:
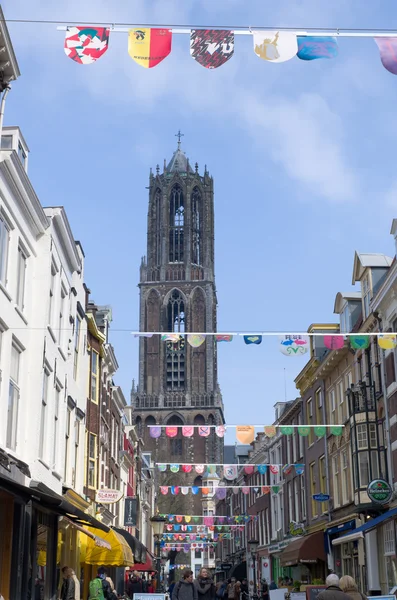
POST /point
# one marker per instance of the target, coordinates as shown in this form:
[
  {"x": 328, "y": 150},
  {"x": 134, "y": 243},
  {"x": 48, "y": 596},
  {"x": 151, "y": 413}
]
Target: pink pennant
[
  {"x": 274, "y": 469},
  {"x": 220, "y": 431},
  {"x": 208, "y": 521},
  {"x": 334, "y": 342},
  {"x": 186, "y": 468},
  {"x": 249, "y": 469},
  {"x": 245, "y": 490},
  {"x": 171, "y": 432},
  {"x": 199, "y": 469},
  {"x": 187, "y": 430},
  {"x": 164, "y": 490}
]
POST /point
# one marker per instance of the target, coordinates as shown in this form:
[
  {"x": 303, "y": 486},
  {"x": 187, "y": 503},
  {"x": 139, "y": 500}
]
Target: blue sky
[{"x": 302, "y": 154}]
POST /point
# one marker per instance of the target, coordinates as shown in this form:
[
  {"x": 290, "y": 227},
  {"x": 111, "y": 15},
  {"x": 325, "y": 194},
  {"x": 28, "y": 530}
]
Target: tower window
[
  {"x": 175, "y": 354},
  {"x": 196, "y": 227},
  {"x": 177, "y": 222},
  {"x": 157, "y": 216}
]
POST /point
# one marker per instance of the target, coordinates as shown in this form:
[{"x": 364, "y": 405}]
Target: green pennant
[
  {"x": 286, "y": 430},
  {"x": 275, "y": 489},
  {"x": 320, "y": 431},
  {"x": 336, "y": 430},
  {"x": 196, "y": 519},
  {"x": 359, "y": 342},
  {"x": 304, "y": 431}
]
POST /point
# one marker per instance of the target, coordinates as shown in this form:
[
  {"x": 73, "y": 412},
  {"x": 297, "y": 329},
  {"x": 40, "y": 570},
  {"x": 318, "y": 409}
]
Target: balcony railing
[{"x": 361, "y": 398}]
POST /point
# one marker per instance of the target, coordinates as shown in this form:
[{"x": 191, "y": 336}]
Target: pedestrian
[
  {"x": 171, "y": 588},
  {"x": 244, "y": 590},
  {"x": 76, "y": 585},
  {"x": 185, "y": 588},
  {"x": 333, "y": 591},
  {"x": 221, "y": 590},
  {"x": 205, "y": 585},
  {"x": 99, "y": 588},
  {"x": 231, "y": 589},
  {"x": 349, "y": 586},
  {"x": 134, "y": 585},
  {"x": 265, "y": 590},
  {"x": 68, "y": 585}
]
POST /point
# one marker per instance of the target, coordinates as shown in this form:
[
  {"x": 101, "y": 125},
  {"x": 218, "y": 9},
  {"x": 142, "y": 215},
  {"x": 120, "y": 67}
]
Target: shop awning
[
  {"x": 147, "y": 566},
  {"x": 307, "y": 549},
  {"x": 57, "y": 503},
  {"x": 359, "y": 532},
  {"x": 119, "y": 554},
  {"x": 239, "y": 571}
]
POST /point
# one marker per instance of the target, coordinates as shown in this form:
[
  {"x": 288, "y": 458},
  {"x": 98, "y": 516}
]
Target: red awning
[{"x": 147, "y": 566}]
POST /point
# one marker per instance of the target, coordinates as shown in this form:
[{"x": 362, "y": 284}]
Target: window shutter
[{"x": 390, "y": 370}]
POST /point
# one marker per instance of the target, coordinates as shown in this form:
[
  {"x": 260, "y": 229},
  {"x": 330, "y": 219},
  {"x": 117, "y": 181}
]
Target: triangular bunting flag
[
  {"x": 148, "y": 47},
  {"x": 85, "y": 45},
  {"x": 211, "y": 48},
  {"x": 294, "y": 345},
  {"x": 253, "y": 339},
  {"x": 388, "y": 52},
  {"x": 275, "y": 46},
  {"x": 223, "y": 338}
]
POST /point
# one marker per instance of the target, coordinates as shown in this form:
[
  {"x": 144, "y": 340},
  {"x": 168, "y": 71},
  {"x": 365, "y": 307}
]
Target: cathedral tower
[{"x": 178, "y": 384}]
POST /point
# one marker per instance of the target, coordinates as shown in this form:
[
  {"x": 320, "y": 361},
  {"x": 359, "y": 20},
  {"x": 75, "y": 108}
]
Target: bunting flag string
[
  {"x": 231, "y": 472},
  {"x": 218, "y": 519},
  {"x": 213, "y": 47},
  {"x": 244, "y": 433},
  {"x": 220, "y": 492}
]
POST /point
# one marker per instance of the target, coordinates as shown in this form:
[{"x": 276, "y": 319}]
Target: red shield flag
[
  {"x": 85, "y": 45},
  {"x": 211, "y": 47}
]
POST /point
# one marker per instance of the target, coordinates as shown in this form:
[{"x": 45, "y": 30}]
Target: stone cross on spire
[{"x": 179, "y": 135}]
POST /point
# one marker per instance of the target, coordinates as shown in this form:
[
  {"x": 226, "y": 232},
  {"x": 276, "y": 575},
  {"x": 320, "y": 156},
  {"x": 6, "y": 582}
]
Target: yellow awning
[{"x": 120, "y": 554}]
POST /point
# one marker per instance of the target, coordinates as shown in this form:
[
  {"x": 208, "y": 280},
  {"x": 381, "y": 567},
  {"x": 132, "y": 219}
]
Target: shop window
[{"x": 389, "y": 547}]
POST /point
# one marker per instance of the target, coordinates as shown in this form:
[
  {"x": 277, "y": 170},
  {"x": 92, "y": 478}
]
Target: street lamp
[
  {"x": 253, "y": 547},
  {"x": 157, "y": 524}
]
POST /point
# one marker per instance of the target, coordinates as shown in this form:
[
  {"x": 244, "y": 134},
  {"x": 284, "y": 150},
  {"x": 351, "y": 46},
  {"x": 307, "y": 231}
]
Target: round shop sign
[{"x": 380, "y": 491}]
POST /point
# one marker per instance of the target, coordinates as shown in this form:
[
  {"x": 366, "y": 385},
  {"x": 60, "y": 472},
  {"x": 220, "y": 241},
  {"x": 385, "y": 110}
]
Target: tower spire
[{"x": 179, "y": 135}]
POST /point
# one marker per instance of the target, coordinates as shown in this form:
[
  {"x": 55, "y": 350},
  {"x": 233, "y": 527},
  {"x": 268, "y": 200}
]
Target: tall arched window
[
  {"x": 175, "y": 354},
  {"x": 196, "y": 227},
  {"x": 176, "y": 442},
  {"x": 177, "y": 222},
  {"x": 157, "y": 216}
]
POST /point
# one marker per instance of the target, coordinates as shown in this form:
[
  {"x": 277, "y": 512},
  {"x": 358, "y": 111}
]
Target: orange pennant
[{"x": 245, "y": 433}]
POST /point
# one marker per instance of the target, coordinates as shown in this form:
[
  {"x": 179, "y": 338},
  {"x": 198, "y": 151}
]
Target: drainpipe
[
  {"x": 2, "y": 106},
  {"x": 385, "y": 402},
  {"x": 330, "y": 555}
]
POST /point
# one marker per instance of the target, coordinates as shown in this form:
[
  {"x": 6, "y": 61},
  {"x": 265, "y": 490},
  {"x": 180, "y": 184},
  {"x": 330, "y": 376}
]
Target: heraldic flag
[{"x": 148, "y": 47}]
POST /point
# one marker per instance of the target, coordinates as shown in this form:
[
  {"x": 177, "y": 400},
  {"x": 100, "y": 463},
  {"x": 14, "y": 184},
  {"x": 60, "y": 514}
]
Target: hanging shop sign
[
  {"x": 226, "y": 566},
  {"x": 108, "y": 496},
  {"x": 296, "y": 528},
  {"x": 321, "y": 497},
  {"x": 380, "y": 491},
  {"x": 130, "y": 512}
]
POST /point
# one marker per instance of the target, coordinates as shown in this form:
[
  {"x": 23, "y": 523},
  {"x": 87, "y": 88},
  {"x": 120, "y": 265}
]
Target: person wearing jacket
[
  {"x": 185, "y": 588},
  {"x": 68, "y": 588},
  {"x": 205, "y": 586},
  {"x": 333, "y": 591},
  {"x": 349, "y": 586}
]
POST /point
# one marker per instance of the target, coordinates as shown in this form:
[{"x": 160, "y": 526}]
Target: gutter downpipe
[
  {"x": 386, "y": 404},
  {"x": 2, "y": 106}
]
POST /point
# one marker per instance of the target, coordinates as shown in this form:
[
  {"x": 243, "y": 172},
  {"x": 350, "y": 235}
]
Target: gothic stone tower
[{"x": 178, "y": 384}]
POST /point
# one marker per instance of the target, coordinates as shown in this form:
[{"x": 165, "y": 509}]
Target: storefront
[
  {"x": 373, "y": 548},
  {"x": 343, "y": 559},
  {"x": 305, "y": 557},
  {"x": 276, "y": 570}
]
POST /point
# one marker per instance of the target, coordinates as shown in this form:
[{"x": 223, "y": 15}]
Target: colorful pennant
[
  {"x": 85, "y": 45},
  {"x": 223, "y": 338},
  {"x": 359, "y": 342},
  {"x": 275, "y": 46},
  {"x": 245, "y": 433},
  {"x": 313, "y": 47},
  {"x": 253, "y": 339},
  {"x": 387, "y": 341},
  {"x": 334, "y": 342},
  {"x": 293, "y": 345},
  {"x": 388, "y": 53},
  {"x": 148, "y": 47},
  {"x": 195, "y": 340},
  {"x": 211, "y": 48}
]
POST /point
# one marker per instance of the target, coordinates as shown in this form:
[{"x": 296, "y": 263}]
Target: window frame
[
  {"x": 21, "y": 278},
  {"x": 95, "y": 376},
  {"x": 77, "y": 335},
  {"x": 14, "y": 391},
  {"x": 91, "y": 460},
  {"x": 44, "y": 413},
  {"x": 5, "y": 230},
  {"x": 56, "y": 415}
]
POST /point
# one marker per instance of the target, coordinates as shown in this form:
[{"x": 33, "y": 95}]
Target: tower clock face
[{"x": 176, "y": 346}]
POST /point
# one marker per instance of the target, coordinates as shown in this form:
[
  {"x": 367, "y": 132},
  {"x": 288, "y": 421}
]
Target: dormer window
[
  {"x": 6, "y": 142},
  {"x": 366, "y": 291},
  {"x": 21, "y": 154},
  {"x": 345, "y": 320}
]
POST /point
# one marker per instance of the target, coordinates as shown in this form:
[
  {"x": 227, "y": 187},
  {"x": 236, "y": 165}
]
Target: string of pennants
[
  {"x": 220, "y": 492},
  {"x": 200, "y": 528},
  {"x": 211, "y": 520},
  {"x": 289, "y": 344},
  {"x": 211, "y": 48},
  {"x": 231, "y": 472},
  {"x": 245, "y": 434},
  {"x": 196, "y": 537}
]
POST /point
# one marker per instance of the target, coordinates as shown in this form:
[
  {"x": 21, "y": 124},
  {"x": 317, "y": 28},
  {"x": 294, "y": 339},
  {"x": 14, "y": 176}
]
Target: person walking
[
  {"x": 76, "y": 585},
  {"x": 231, "y": 589},
  {"x": 68, "y": 588},
  {"x": 349, "y": 587},
  {"x": 265, "y": 590},
  {"x": 205, "y": 585},
  {"x": 333, "y": 591},
  {"x": 99, "y": 588},
  {"x": 185, "y": 588},
  {"x": 134, "y": 585}
]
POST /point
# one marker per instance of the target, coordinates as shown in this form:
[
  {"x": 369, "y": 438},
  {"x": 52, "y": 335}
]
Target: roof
[
  {"x": 365, "y": 261},
  {"x": 9, "y": 70},
  {"x": 179, "y": 163},
  {"x": 232, "y": 453},
  {"x": 341, "y": 297}
]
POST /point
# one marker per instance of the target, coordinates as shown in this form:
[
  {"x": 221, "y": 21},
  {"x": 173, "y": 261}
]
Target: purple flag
[
  {"x": 388, "y": 52},
  {"x": 155, "y": 432}
]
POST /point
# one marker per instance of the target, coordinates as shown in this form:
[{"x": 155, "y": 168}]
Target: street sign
[
  {"x": 321, "y": 497},
  {"x": 108, "y": 496},
  {"x": 130, "y": 512},
  {"x": 226, "y": 566},
  {"x": 380, "y": 491}
]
